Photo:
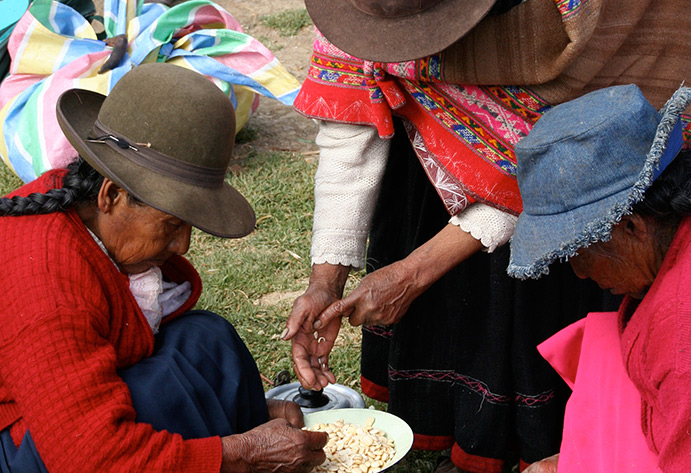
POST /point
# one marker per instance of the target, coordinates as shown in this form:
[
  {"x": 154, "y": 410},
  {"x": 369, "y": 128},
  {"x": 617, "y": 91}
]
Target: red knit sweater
[
  {"x": 68, "y": 322},
  {"x": 656, "y": 345}
]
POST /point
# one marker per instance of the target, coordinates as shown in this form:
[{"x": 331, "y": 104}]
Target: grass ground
[{"x": 254, "y": 281}]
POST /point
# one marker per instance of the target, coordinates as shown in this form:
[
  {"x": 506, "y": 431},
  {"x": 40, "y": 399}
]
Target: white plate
[{"x": 395, "y": 427}]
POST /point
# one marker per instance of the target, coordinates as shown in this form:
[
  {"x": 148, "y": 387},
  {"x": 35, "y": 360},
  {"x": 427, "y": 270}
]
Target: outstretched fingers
[{"x": 341, "y": 308}]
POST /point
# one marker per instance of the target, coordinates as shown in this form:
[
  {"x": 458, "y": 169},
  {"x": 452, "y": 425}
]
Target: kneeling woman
[{"x": 103, "y": 365}]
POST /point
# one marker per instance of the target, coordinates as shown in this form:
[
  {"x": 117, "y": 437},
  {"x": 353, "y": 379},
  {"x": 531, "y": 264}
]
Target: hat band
[
  {"x": 393, "y": 8},
  {"x": 142, "y": 155},
  {"x": 674, "y": 145}
]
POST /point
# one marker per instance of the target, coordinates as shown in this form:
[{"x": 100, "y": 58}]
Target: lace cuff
[
  {"x": 339, "y": 246},
  {"x": 491, "y": 226}
]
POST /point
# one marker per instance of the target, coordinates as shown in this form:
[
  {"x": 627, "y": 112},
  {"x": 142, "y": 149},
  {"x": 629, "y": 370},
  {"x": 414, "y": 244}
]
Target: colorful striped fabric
[{"x": 53, "y": 48}]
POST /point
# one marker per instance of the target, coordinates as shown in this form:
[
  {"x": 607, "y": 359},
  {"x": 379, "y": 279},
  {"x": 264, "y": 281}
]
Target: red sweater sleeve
[{"x": 674, "y": 419}]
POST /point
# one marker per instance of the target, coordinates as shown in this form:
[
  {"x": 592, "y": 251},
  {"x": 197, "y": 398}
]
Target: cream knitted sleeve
[
  {"x": 492, "y": 227},
  {"x": 351, "y": 164}
]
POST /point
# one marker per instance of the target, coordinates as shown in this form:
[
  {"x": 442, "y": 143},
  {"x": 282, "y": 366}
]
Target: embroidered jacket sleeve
[{"x": 68, "y": 325}]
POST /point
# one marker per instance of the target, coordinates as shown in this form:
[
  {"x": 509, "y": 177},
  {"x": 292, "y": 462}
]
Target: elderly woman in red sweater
[
  {"x": 103, "y": 364},
  {"x": 606, "y": 185}
]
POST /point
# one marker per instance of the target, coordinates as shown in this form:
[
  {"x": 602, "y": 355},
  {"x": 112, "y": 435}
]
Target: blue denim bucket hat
[{"x": 583, "y": 166}]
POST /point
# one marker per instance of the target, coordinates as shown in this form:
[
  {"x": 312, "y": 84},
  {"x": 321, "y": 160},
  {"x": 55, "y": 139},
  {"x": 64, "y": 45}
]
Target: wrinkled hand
[
  {"x": 273, "y": 447},
  {"x": 382, "y": 298},
  {"x": 288, "y": 410},
  {"x": 310, "y": 353},
  {"x": 547, "y": 465}
]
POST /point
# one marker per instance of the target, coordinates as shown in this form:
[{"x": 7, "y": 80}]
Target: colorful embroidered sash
[{"x": 464, "y": 135}]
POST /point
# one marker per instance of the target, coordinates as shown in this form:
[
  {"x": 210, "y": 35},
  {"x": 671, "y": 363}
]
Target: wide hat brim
[
  {"x": 540, "y": 239},
  {"x": 396, "y": 39},
  {"x": 221, "y": 211},
  {"x": 560, "y": 236}
]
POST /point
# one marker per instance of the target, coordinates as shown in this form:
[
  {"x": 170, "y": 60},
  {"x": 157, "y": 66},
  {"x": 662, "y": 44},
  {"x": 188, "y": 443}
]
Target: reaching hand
[
  {"x": 381, "y": 298},
  {"x": 273, "y": 447},
  {"x": 385, "y": 295},
  {"x": 311, "y": 355},
  {"x": 310, "y": 352},
  {"x": 547, "y": 465}
]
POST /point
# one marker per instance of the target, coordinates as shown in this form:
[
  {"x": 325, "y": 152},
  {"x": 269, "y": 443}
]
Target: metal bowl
[{"x": 334, "y": 396}]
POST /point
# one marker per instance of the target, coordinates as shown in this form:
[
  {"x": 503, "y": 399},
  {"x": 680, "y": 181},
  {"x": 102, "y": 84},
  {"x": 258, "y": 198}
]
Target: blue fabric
[
  {"x": 23, "y": 460},
  {"x": 201, "y": 381},
  {"x": 10, "y": 13},
  {"x": 674, "y": 145},
  {"x": 583, "y": 166}
]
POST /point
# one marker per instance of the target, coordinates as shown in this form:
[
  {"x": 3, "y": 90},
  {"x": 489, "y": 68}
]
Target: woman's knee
[{"x": 200, "y": 323}]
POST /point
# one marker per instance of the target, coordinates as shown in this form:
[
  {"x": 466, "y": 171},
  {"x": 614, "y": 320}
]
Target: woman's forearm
[
  {"x": 333, "y": 277},
  {"x": 444, "y": 251}
]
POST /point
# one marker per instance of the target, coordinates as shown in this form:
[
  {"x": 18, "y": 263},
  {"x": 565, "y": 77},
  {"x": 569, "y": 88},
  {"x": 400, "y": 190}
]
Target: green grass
[
  {"x": 253, "y": 281},
  {"x": 8, "y": 180},
  {"x": 273, "y": 263},
  {"x": 287, "y": 22},
  {"x": 274, "y": 259}
]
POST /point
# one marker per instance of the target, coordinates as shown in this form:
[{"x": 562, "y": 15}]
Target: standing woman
[
  {"x": 104, "y": 366},
  {"x": 420, "y": 105}
]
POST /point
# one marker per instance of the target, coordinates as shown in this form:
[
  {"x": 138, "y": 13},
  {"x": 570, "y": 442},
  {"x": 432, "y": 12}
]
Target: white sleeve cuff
[
  {"x": 352, "y": 159},
  {"x": 491, "y": 226}
]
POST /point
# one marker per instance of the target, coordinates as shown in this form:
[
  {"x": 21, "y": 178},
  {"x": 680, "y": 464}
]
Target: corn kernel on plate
[{"x": 360, "y": 440}]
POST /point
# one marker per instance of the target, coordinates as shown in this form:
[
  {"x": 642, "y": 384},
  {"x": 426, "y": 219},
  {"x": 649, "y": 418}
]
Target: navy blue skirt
[{"x": 201, "y": 381}]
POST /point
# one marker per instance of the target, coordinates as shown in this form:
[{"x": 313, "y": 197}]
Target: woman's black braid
[{"x": 80, "y": 184}]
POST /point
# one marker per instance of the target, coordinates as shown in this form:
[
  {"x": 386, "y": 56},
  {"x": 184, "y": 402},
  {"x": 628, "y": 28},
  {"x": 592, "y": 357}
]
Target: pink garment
[
  {"x": 602, "y": 422},
  {"x": 656, "y": 348}
]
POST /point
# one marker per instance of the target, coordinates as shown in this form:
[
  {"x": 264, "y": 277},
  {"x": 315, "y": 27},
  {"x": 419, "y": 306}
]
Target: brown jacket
[{"x": 602, "y": 43}]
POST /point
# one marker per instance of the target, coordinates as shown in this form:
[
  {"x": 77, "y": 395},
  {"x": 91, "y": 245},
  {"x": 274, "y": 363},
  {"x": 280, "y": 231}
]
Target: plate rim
[{"x": 399, "y": 453}]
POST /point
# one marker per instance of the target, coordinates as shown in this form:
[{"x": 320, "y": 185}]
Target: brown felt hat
[
  {"x": 395, "y": 30},
  {"x": 165, "y": 134}
]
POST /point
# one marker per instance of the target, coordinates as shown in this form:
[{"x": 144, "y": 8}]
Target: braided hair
[{"x": 81, "y": 184}]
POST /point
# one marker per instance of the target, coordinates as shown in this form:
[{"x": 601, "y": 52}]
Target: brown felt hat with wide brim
[
  {"x": 165, "y": 134},
  {"x": 391, "y": 30}
]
